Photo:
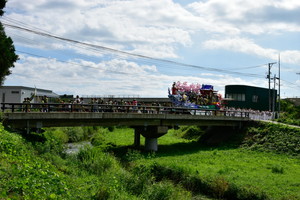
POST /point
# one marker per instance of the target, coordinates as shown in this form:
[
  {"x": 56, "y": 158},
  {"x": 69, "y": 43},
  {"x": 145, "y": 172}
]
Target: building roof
[
  {"x": 40, "y": 92},
  {"x": 249, "y": 86}
]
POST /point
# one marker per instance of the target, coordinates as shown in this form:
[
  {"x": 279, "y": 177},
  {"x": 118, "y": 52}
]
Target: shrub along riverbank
[
  {"x": 262, "y": 162},
  {"x": 41, "y": 170}
]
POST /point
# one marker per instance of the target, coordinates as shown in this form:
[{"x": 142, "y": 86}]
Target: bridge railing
[{"x": 144, "y": 109}]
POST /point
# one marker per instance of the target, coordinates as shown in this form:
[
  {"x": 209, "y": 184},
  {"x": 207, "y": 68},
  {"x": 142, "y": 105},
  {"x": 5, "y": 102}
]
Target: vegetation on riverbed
[
  {"x": 259, "y": 166},
  {"x": 41, "y": 170},
  {"x": 290, "y": 113},
  {"x": 261, "y": 162}
]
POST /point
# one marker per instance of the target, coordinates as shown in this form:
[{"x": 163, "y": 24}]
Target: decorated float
[{"x": 194, "y": 96}]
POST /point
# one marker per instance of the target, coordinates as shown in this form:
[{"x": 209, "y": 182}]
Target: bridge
[{"x": 149, "y": 121}]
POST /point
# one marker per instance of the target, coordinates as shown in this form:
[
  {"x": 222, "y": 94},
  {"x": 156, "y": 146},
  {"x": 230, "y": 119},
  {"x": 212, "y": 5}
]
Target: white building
[{"x": 16, "y": 94}]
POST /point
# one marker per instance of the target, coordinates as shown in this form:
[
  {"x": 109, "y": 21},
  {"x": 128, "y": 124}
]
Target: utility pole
[
  {"x": 269, "y": 77},
  {"x": 274, "y": 96},
  {"x": 278, "y": 85}
]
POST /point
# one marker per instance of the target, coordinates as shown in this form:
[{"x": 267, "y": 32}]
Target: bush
[
  {"x": 192, "y": 132},
  {"x": 273, "y": 137},
  {"x": 165, "y": 190},
  {"x": 75, "y": 134},
  {"x": 59, "y": 134},
  {"x": 93, "y": 160},
  {"x": 52, "y": 144},
  {"x": 219, "y": 187},
  {"x": 277, "y": 169},
  {"x": 26, "y": 176}
]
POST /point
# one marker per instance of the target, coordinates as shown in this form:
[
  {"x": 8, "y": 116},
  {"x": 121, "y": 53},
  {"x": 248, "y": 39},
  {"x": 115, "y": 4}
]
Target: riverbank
[{"x": 260, "y": 163}]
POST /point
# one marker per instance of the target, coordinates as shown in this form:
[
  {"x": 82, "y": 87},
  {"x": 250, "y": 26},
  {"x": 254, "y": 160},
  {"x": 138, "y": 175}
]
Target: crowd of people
[
  {"x": 79, "y": 104},
  {"x": 253, "y": 114}
]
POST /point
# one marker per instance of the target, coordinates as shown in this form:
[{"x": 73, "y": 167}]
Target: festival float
[{"x": 195, "y": 96}]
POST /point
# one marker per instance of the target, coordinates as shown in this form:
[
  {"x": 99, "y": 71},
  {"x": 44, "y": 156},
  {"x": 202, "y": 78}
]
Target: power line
[
  {"x": 63, "y": 61},
  {"x": 115, "y": 51}
]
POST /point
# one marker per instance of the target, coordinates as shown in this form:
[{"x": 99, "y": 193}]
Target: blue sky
[{"x": 212, "y": 42}]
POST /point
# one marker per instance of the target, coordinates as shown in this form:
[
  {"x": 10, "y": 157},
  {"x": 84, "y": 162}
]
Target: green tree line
[{"x": 7, "y": 50}]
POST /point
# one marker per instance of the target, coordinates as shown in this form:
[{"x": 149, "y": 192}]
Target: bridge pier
[
  {"x": 151, "y": 133},
  {"x": 137, "y": 138},
  {"x": 151, "y": 144}
]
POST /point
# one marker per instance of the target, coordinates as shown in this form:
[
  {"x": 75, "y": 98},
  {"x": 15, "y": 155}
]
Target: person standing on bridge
[
  {"x": 45, "y": 101},
  {"x": 174, "y": 89},
  {"x": 134, "y": 105}
]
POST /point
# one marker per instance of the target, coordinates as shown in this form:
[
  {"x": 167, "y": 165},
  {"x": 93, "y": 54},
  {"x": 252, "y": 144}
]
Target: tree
[{"x": 7, "y": 50}]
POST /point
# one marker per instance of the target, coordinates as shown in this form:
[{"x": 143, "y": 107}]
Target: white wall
[
  {"x": 14, "y": 95},
  {"x": 10, "y": 95}
]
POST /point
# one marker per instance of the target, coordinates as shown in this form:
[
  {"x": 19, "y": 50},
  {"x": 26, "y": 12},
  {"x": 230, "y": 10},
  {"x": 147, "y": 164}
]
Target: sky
[{"x": 140, "y": 47}]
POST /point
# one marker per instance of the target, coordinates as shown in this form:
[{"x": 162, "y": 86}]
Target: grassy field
[
  {"x": 265, "y": 174},
  {"x": 31, "y": 169},
  {"x": 263, "y": 164}
]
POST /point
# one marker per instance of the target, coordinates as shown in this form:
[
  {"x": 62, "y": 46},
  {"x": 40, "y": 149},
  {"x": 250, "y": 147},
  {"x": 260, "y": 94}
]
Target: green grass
[
  {"x": 276, "y": 175},
  {"x": 265, "y": 166},
  {"x": 258, "y": 172},
  {"x": 37, "y": 170}
]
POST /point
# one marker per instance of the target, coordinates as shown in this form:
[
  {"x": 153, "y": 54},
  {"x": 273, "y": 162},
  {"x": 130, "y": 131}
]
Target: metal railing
[{"x": 144, "y": 109}]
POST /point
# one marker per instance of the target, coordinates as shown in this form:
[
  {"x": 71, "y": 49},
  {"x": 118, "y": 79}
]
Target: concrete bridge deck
[
  {"x": 60, "y": 119},
  {"x": 150, "y": 121}
]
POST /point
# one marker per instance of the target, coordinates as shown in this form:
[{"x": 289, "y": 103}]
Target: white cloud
[
  {"x": 157, "y": 28},
  {"x": 250, "y": 17},
  {"x": 131, "y": 24},
  {"x": 115, "y": 77},
  {"x": 249, "y": 47}
]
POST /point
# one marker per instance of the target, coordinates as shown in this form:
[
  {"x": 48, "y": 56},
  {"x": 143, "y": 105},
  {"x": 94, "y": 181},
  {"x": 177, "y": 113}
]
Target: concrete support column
[
  {"x": 137, "y": 138},
  {"x": 151, "y": 133},
  {"x": 151, "y": 144}
]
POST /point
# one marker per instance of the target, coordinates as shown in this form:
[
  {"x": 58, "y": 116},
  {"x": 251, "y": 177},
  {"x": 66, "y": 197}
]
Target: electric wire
[
  {"x": 213, "y": 69},
  {"x": 72, "y": 63},
  {"x": 115, "y": 51}
]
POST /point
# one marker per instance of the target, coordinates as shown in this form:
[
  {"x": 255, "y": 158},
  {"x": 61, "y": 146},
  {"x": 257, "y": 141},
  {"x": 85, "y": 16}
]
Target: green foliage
[
  {"x": 165, "y": 190},
  {"x": 75, "y": 134},
  {"x": 52, "y": 144},
  {"x": 273, "y": 137},
  {"x": 25, "y": 176},
  {"x": 93, "y": 160},
  {"x": 2, "y": 5},
  {"x": 181, "y": 169},
  {"x": 58, "y": 133},
  {"x": 277, "y": 169},
  {"x": 190, "y": 132},
  {"x": 7, "y": 53},
  {"x": 102, "y": 194},
  {"x": 290, "y": 113}
]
